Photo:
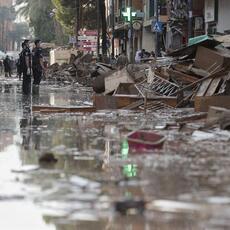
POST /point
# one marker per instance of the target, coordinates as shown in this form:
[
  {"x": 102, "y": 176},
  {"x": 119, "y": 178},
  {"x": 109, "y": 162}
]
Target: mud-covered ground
[{"x": 97, "y": 182}]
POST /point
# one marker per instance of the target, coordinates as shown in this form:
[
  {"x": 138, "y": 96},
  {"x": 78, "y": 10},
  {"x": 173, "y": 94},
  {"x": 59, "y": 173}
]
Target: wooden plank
[
  {"x": 181, "y": 76},
  {"x": 127, "y": 88},
  {"x": 199, "y": 72},
  {"x": 202, "y": 104},
  {"x": 203, "y": 88},
  {"x": 134, "y": 105},
  {"x": 220, "y": 73},
  {"x": 206, "y": 57},
  {"x": 192, "y": 117},
  {"x": 58, "y": 109},
  {"x": 213, "y": 87},
  {"x": 113, "y": 102},
  {"x": 113, "y": 81},
  {"x": 102, "y": 102}
]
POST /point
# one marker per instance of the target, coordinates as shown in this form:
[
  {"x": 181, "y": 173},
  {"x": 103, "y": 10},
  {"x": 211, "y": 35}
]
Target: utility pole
[
  {"x": 157, "y": 39},
  {"x": 103, "y": 27},
  {"x": 131, "y": 31},
  {"x": 190, "y": 16},
  {"x": 77, "y": 20},
  {"x": 98, "y": 28},
  {"x": 113, "y": 26}
]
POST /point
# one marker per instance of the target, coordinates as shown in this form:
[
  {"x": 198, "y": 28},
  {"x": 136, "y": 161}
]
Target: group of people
[
  {"x": 7, "y": 65},
  {"x": 31, "y": 64},
  {"x": 121, "y": 60},
  {"x": 142, "y": 54}
]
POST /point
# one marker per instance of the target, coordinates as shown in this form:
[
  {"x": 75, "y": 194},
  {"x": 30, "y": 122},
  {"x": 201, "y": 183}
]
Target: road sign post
[{"x": 157, "y": 39}]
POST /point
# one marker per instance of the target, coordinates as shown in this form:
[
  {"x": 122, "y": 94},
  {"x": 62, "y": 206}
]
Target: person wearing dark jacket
[
  {"x": 26, "y": 68},
  {"x": 7, "y": 66},
  {"x": 37, "y": 63}
]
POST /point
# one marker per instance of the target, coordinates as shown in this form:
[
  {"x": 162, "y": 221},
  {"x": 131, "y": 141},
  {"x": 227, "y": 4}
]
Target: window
[{"x": 151, "y": 8}]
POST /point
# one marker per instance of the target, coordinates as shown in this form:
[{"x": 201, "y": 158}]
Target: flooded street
[{"x": 76, "y": 171}]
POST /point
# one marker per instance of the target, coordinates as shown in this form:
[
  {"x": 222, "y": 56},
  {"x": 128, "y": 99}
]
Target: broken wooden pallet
[
  {"x": 159, "y": 86},
  {"x": 155, "y": 106}
]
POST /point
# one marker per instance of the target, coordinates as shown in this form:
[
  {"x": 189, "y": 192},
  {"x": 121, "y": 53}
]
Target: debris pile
[
  {"x": 197, "y": 75},
  {"x": 194, "y": 76},
  {"x": 64, "y": 72},
  {"x": 81, "y": 69}
]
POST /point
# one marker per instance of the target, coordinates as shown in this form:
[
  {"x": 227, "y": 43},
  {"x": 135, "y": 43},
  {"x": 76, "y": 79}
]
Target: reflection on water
[
  {"x": 184, "y": 187},
  {"x": 129, "y": 170}
]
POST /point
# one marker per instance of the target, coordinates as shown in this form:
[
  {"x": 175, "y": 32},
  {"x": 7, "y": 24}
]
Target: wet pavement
[{"x": 94, "y": 181}]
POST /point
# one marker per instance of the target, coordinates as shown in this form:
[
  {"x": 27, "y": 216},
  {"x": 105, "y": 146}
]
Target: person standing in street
[
  {"x": 7, "y": 66},
  {"x": 19, "y": 63},
  {"x": 26, "y": 67},
  {"x": 1, "y": 67},
  {"x": 19, "y": 69},
  {"x": 37, "y": 63},
  {"x": 138, "y": 57},
  {"x": 122, "y": 60}
]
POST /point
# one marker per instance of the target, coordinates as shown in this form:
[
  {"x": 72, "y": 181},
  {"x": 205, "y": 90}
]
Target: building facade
[
  {"x": 179, "y": 22},
  {"x": 122, "y": 25},
  {"x": 149, "y": 22},
  {"x": 217, "y": 16},
  {"x": 6, "y": 24},
  {"x": 6, "y": 3}
]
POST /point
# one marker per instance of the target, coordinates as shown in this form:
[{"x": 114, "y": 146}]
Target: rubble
[
  {"x": 195, "y": 76},
  {"x": 218, "y": 116},
  {"x": 183, "y": 77},
  {"x": 81, "y": 69}
]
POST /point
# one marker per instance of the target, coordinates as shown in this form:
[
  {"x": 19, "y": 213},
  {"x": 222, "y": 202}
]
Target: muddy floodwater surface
[{"x": 76, "y": 171}]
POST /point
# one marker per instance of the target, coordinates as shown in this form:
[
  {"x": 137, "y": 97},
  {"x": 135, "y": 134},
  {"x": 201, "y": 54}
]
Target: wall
[
  {"x": 223, "y": 16},
  {"x": 7, "y": 3},
  {"x": 5, "y": 42},
  {"x": 148, "y": 40},
  {"x": 138, "y": 4}
]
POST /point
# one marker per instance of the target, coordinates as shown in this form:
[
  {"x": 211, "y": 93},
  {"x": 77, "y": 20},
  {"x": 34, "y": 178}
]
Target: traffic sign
[
  {"x": 87, "y": 38},
  {"x": 72, "y": 40},
  {"x": 91, "y": 33},
  {"x": 157, "y": 26}
]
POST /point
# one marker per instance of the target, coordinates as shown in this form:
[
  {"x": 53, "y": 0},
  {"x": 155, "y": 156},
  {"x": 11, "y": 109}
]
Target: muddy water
[{"x": 183, "y": 186}]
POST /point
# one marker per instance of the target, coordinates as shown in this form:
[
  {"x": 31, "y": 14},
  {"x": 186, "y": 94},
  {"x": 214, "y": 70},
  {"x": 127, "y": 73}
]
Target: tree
[
  {"x": 19, "y": 33},
  {"x": 103, "y": 26},
  {"x": 76, "y": 14},
  {"x": 38, "y": 13},
  {"x": 73, "y": 14},
  {"x": 6, "y": 15}
]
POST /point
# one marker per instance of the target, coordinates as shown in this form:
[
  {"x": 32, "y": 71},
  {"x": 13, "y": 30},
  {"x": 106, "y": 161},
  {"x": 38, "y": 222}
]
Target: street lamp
[
  {"x": 131, "y": 31},
  {"x": 129, "y": 14},
  {"x": 157, "y": 39},
  {"x": 113, "y": 28}
]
